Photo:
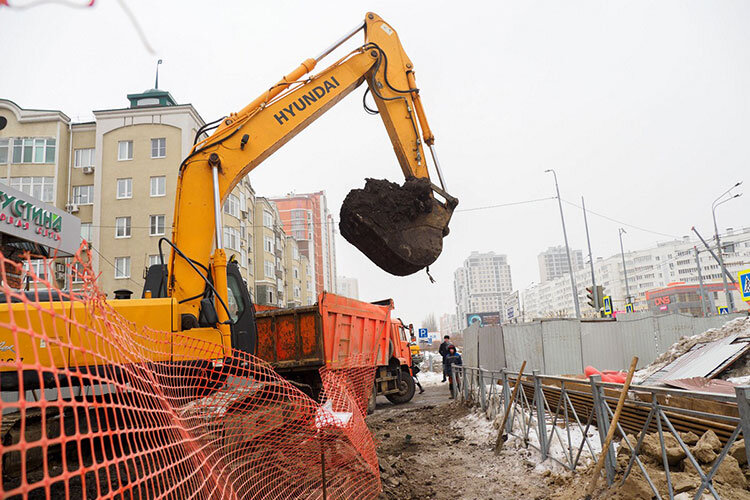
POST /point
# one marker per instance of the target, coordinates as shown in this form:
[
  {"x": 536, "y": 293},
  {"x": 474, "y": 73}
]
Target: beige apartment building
[{"x": 118, "y": 174}]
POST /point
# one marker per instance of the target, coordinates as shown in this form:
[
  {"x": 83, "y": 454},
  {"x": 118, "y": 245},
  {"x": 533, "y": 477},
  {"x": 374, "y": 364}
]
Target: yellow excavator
[{"x": 195, "y": 292}]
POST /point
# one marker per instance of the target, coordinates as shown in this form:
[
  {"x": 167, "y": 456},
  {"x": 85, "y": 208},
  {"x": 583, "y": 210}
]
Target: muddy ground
[{"x": 423, "y": 456}]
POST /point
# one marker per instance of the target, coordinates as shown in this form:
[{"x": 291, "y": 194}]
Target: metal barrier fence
[{"x": 551, "y": 409}]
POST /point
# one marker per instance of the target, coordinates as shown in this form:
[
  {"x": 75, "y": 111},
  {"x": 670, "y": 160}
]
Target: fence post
[
  {"x": 743, "y": 406},
  {"x": 482, "y": 391},
  {"x": 506, "y": 399},
  {"x": 602, "y": 423},
  {"x": 541, "y": 421}
]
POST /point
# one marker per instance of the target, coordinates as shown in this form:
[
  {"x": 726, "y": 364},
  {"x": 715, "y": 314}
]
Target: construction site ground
[{"x": 436, "y": 448}]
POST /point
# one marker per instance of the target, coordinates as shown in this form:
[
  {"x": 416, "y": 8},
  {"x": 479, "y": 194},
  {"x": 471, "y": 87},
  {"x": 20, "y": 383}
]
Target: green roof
[{"x": 151, "y": 97}]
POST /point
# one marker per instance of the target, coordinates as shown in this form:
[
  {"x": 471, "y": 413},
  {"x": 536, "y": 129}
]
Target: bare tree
[{"x": 430, "y": 323}]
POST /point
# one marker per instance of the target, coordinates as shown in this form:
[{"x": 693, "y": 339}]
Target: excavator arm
[{"x": 400, "y": 228}]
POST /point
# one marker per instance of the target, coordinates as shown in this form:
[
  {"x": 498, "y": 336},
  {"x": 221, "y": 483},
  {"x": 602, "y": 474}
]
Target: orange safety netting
[{"x": 114, "y": 423}]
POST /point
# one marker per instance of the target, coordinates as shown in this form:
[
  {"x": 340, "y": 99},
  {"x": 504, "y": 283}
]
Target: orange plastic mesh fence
[{"x": 142, "y": 413}]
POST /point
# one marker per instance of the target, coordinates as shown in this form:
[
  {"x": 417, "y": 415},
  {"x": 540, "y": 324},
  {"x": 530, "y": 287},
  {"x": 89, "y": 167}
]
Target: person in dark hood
[
  {"x": 443, "y": 351},
  {"x": 452, "y": 359}
]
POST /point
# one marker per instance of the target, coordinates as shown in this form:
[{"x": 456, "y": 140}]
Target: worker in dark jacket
[
  {"x": 443, "y": 351},
  {"x": 451, "y": 359}
]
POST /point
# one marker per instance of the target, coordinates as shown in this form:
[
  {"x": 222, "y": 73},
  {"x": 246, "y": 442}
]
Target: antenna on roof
[{"x": 156, "y": 85}]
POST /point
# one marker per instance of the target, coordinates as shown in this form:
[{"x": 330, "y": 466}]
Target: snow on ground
[
  {"x": 430, "y": 378},
  {"x": 477, "y": 429}
]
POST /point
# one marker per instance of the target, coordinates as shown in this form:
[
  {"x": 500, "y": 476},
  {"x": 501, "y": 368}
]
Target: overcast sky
[{"x": 641, "y": 107}]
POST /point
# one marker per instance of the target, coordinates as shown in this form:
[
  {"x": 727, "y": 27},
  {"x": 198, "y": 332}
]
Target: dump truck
[{"x": 338, "y": 332}]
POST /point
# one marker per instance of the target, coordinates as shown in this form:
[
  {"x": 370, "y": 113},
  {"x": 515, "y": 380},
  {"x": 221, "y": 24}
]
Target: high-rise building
[
  {"x": 348, "y": 287},
  {"x": 480, "y": 286},
  {"x": 306, "y": 218},
  {"x": 448, "y": 325},
  {"x": 553, "y": 262}
]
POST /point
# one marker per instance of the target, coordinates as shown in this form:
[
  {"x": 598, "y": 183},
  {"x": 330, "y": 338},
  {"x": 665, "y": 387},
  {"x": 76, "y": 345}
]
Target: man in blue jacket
[{"x": 452, "y": 358}]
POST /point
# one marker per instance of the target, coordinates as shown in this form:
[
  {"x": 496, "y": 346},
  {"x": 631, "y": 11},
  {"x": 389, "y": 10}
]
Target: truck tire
[{"x": 406, "y": 389}]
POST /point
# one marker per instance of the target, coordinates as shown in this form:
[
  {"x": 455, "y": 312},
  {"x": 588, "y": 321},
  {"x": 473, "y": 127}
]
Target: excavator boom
[{"x": 400, "y": 228}]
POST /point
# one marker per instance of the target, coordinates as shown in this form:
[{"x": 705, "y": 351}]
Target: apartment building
[
  {"x": 118, "y": 174},
  {"x": 348, "y": 287},
  {"x": 664, "y": 265},
  {"x": 553, "y": 262},
  {"x": 480, "y": 286},
  {"x": 306, "y": 218}
]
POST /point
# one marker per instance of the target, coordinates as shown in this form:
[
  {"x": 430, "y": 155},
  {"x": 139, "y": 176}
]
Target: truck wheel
[{"x": 406, "y": 389}]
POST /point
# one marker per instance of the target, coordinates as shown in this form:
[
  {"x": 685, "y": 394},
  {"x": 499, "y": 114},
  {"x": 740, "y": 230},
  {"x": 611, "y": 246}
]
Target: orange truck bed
[{"x": 337, "y": 332}]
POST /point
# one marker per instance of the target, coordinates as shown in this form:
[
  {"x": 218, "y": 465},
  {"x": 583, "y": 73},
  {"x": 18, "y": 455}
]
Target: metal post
[
  {"x": 708, "y": 247},
  {"x": 624, "y": 269},
  {"x": 727, "y": 294},
  {"x": 700, "y": 281},
  {"x": 591, "y": 256},
  {"x": 567, "y": 248},
  {"x": 602, "y": 423},
  {"x": 541, "y": 422},
  {"x": 742, "y": 393}
]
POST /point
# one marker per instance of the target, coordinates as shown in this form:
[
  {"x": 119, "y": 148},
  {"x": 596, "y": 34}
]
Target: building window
[
  {"x": 268, "y": 244},
  {"x": 122, "y": 267},
  {"x": 232, "y": 206},
  {"x": 77, "y": 272},
  {"x": 270, "y": 296},
  {"x": 84, "y": 158},
  {"x": 33, "y": 150},
  {"x": 41, "y": 188},
  {"x": 159, "y": 186},
  {"x": 124, "y": 188},
  {"x": 269, "y": 269},
  {"x": 125, "y": 150},
  {"x": 83, "y": 195},
  {"x": 4, "y": 147},
  {"x": 122, "y": 227},
  {"x": 86, "y": 231},
  {"x": 154, "y": 260},
  {"x": 243, "y": 258},
  {"x": 156, "y": 225},
  {"x": 267, "y": 219},
  {"x": 232, "y": 238},
  {"x": 158, "y": 148},
  {"x": 295, "y": 252},
  {"x": 296, "y": 273},
  {"x": 297, "y": 292}
]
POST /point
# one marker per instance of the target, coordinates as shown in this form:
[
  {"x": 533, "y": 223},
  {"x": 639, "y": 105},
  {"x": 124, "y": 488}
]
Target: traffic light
[
  {"x": 591, "y": 297},
  {"x": 595, "y": 297}
]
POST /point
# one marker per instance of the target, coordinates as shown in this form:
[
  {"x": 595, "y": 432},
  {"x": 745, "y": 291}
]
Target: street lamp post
[
  {"x": 624, "y": 269},
  {"x": 567, "y": 247},
  {"x": 716, "y": 203}
]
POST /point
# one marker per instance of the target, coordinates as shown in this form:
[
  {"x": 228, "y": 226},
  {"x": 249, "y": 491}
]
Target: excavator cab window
[{"x": 241, "y": 310}]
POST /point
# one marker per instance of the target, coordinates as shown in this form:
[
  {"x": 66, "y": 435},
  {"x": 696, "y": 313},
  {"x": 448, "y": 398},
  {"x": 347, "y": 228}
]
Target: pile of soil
[
  {"x": 399, "y": 228},
  {"x": 729, "y": 481},
  {"x": 739, "y": 325}
]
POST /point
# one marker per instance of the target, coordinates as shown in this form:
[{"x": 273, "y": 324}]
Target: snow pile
[
  {"x": 430, "y": 378},
  {"x": 433, "y": 359},
  {"x": 682, "y": 346},
  {"x": 477, "y": 430}
]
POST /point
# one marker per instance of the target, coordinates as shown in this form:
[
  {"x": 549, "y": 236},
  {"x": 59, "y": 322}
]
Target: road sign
[
  {"x": 607, "y": 301},
  {"x": 423, "y": 333},
  {"x": 629, "y": 308},
  {"x": 745, "y": 284},
  {"x": 722, "y": 309},
  {"x": 510, "y": 313}
]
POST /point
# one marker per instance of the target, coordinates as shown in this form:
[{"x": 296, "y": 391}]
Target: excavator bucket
[{"x": 399, "y": 228}]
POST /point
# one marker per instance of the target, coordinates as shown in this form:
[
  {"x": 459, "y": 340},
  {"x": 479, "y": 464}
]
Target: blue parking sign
[
  {"x": 745, "y": 284},
  {"x": 423, "y": 333}
]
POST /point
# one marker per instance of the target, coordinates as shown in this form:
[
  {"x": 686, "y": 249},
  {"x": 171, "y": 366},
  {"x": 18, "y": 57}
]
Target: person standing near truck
[
  {"x": 443, "y": 351},
  {"x": 453, "y": 358}
]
